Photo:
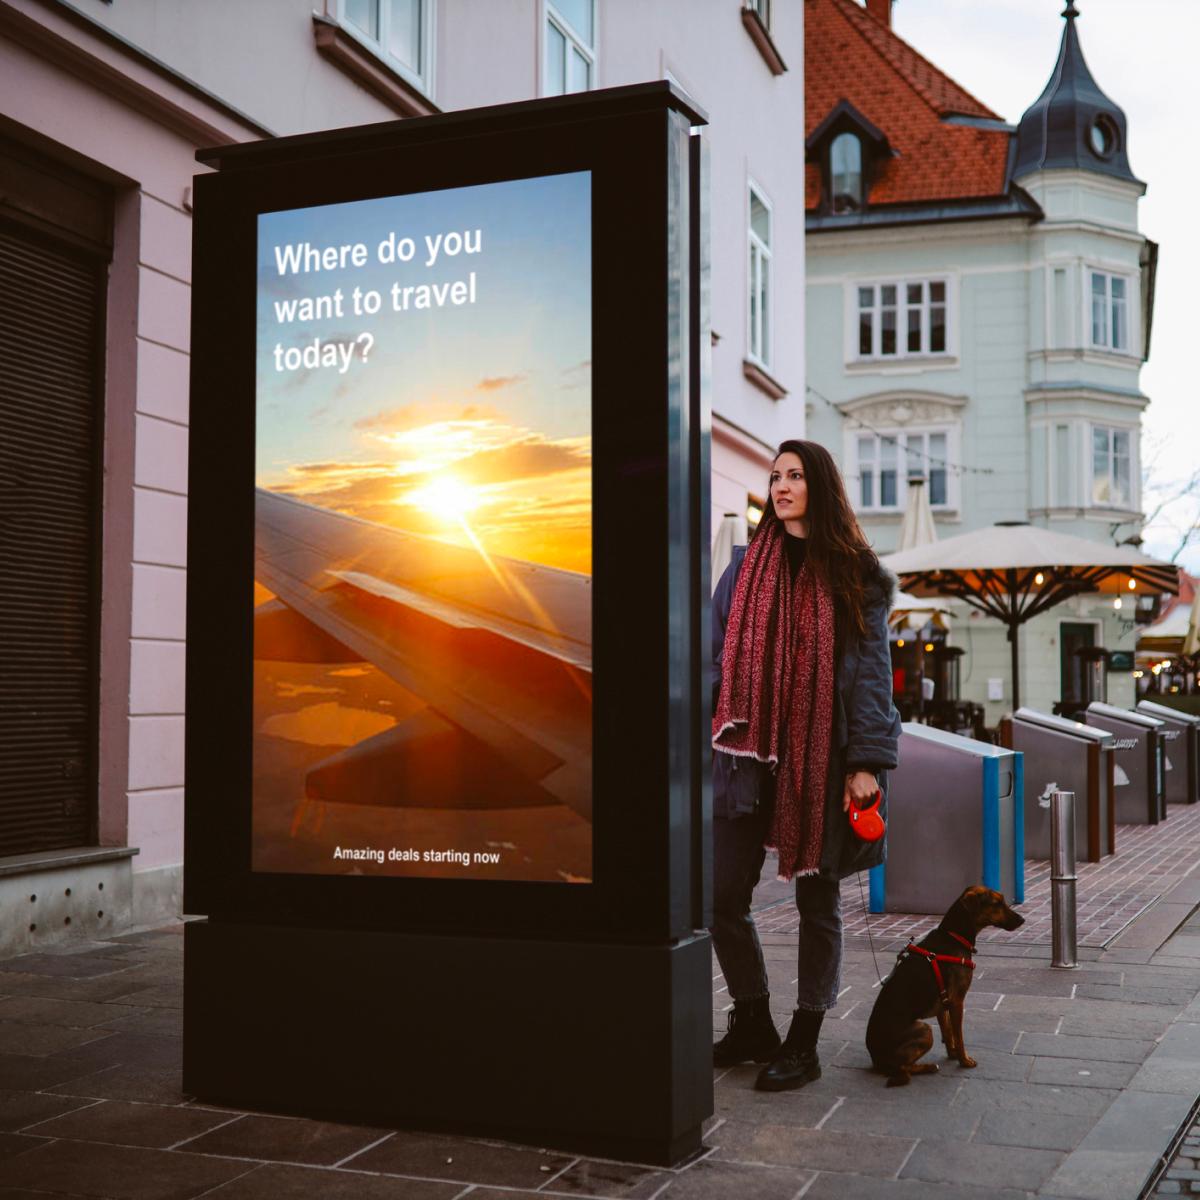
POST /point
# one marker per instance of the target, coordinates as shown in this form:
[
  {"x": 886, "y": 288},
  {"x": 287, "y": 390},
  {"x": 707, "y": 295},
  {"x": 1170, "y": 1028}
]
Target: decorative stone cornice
[{"x": 901, "y": 407}]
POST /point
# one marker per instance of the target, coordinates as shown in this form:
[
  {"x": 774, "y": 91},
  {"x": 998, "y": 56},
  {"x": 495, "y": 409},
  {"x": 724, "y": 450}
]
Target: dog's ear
[{"x": 976, "y": 901}]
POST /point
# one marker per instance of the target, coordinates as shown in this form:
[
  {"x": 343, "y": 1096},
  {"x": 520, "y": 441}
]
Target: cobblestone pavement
[{"x": 1084, "y": 1079}]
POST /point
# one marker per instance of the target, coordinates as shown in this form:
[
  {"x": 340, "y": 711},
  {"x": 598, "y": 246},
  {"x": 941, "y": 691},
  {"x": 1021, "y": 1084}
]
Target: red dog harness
[{"x": 935, "y": 959}]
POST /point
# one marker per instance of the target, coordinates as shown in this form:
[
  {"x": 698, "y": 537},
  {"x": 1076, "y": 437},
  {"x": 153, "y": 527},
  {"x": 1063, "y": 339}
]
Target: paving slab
[
  {"x": 974, "y": 1163},
  {"x": 118, "y": 1172},
  {"x": 819, "y": 1149},
  {"x": 19, "y": 1109},
  {"x": 120, "y": 1123},
  {"x": 427, "y": 1156},
  {"x": 273, "y": 1181},
  {"x": 280, "y": 1139}
]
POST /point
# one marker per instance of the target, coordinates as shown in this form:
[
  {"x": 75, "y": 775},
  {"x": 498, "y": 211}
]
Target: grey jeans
[{"x": 738, "y": 857}]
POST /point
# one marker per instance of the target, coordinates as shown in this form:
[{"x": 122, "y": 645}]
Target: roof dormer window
[
  {"x": 849, "y": 151},
  {"x": 846, "y": 173}
]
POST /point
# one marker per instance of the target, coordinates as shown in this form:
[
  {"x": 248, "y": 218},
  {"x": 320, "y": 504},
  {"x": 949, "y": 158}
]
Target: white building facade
[
  {"x": 102, "y": 107},
  {"x": 987, "y": 336}
]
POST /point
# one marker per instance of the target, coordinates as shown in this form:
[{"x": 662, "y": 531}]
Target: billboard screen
[{"x": 423, "y": 535}]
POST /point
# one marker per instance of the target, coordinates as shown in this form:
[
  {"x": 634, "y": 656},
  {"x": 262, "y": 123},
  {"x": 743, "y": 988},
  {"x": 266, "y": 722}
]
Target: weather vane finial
[{"x": 1070, "y": 12}]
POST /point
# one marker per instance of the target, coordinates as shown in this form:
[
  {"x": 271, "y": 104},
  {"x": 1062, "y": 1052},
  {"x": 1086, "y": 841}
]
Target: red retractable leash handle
[{"x": 867, "y": 823}]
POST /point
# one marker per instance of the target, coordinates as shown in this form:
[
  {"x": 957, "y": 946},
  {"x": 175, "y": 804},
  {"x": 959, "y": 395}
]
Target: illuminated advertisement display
[{"x": 423, "y": 535}]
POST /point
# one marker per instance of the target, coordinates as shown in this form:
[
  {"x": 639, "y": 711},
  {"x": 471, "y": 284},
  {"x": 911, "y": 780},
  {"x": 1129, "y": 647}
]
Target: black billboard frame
[{"x": 652, "y": 858}]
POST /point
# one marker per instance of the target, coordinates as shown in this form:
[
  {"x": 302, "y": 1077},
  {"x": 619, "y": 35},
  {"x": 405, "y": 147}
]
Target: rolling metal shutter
[{"x": 51, "y": 320}]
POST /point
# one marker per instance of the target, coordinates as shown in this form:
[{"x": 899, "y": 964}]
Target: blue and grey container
[{"x": 955, "y": 818}]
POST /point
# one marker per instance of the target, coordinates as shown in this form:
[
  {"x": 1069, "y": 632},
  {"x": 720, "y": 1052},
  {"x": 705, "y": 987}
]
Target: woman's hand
[{"x": 861, "y": 787}]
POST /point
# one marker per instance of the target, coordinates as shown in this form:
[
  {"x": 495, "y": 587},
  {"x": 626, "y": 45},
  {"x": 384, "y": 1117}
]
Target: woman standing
[{"x": 803, "y": 726}]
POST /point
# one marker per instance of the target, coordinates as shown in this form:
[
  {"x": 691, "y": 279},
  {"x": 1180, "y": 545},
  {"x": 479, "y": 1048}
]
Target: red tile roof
[{"x": 849, "y": 55}]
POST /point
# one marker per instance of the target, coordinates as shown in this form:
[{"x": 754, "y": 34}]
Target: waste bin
[
  {"x": 955, "y": 819},
  {"x": 1139, "y": 774},
  {"x": 1076, "y": 758},
  {"x": 1182, "y": 767}
]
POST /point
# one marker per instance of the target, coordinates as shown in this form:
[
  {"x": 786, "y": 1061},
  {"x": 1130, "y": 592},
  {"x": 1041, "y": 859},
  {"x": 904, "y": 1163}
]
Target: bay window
[
  {"x": 1112, "y": 474},
  {"x": 1110, "y": 311}
]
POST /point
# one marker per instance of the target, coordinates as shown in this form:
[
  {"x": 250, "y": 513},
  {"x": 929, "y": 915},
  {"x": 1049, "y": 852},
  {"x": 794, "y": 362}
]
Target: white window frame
[
  {"x": 574, "y": 40},
  {"x": 759, "y": 252},
  {"x": 901, "y": 436},
  {"x": 421, "y": 80},
  {"x": 763, "y": 8},
  {"x": 902, "y": 308},
  {"x": 1134, "y": 498},
  {"x": 1106, "y": 341}
]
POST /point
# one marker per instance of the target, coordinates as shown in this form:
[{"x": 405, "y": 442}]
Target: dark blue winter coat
[{"x": 866, "y": 728}]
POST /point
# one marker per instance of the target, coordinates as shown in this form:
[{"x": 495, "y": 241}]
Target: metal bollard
[{"x": 1062, "y": 879}]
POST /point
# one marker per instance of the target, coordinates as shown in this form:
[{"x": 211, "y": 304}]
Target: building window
[
  {"x": 1110, "y": 311},
  {"x": 900, "y": 319},
  {"x": 762, "y": 8},
  {"x": 399, "y": 31},
  {"x": 846, "y": 173},
  {"x": 570, "y": 46},
  {"x": 760, "y": 279},
  {"x": 887, "y": 461},
  {"x": 1111, "y": 468}
]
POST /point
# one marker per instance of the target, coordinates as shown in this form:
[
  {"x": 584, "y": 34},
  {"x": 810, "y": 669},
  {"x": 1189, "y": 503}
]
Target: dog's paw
[{"x": 967, "y": 1061}]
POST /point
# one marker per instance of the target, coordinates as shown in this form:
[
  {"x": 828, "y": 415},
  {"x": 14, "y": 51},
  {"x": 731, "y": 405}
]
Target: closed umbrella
[
  {"x": 1191, "y": 640},
  {"x": 730, "y": 532},
  {"x": 1015, "y": 571},
  {"x": 917, "y": 528}
]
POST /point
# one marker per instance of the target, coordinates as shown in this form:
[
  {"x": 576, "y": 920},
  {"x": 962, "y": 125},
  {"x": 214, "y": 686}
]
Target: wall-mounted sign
[{"x": 423, "y": 535}]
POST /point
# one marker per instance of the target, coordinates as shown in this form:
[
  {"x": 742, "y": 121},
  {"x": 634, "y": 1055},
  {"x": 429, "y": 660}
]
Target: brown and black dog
[{"x": 896, "y": 1035}]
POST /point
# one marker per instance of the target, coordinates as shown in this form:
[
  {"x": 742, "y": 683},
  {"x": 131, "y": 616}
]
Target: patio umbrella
[
  {"x": 1015, "y": 571},
  {"x": 915, "y": 612}
]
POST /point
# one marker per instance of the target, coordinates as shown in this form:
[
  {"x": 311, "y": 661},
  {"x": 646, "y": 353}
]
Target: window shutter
[{"x": 51, "y": 316}]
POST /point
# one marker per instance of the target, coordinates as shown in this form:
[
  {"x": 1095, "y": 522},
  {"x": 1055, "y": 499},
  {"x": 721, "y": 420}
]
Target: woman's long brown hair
[{"x": 838, "y": 550}]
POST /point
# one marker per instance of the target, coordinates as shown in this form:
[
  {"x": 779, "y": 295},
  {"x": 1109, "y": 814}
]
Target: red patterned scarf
[{"x": 776, "y": 698}]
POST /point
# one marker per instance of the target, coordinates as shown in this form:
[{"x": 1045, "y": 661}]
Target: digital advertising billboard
[{"x": 422, "y": 675}]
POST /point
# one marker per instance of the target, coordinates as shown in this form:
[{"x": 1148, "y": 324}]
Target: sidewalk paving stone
[
  {"x": 958, "y": 1162},
  {"x": 118, "y": 1172},
  {"x": 18, "y": 1109},
  {"x": 429, "y": 1156},
  {"x": 1079, "y": 1072},
  {"x": 121, "y": 1123},
  {"x": 1097, "y": 1049},
  {"x": 281, "y": 1139},
  {"x": 819, "y": 1149},
  {"x": 148, "y": 1085},
  {"x": 273, "y": 1181}
]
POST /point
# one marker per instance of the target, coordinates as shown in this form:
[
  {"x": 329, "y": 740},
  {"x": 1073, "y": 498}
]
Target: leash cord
[{"x": 867, "y": 919}]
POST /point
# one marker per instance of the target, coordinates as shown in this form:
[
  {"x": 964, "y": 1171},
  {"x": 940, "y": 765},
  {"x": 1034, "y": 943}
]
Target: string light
[
  {"x": 1132, "y": 584},
  {"x": 1117, "y": 604},
  {"x": 1039, "y": 579},
  {"x": 957, "y": 468}
]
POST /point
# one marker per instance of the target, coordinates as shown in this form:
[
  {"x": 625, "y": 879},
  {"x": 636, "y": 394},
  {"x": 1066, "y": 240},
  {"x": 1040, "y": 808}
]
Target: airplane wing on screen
[{"x": 498, "y": 649}]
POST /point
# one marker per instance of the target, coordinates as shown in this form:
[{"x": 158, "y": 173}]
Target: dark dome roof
[{"x": 1073, "y": 123}]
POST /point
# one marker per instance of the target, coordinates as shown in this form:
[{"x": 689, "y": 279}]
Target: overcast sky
[{"x": 1143, "y": 54}]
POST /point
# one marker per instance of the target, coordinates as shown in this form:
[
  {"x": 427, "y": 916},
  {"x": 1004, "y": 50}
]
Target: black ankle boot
[
  {"x": 796, "y": 1063},
  {"x": 751, "y": 1035}
]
